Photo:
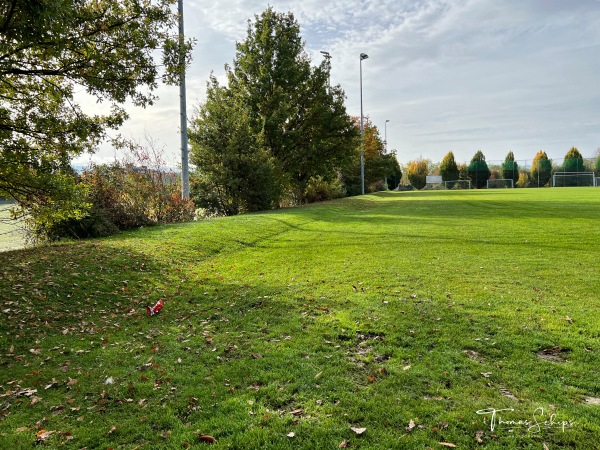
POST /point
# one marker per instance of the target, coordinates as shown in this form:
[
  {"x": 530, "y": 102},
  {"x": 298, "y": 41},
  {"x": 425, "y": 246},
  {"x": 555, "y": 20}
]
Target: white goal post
[
  {"x": 562, "y": 179},
  {"x": 500, "y": 183},
  {"x": 457, "y": 184}
]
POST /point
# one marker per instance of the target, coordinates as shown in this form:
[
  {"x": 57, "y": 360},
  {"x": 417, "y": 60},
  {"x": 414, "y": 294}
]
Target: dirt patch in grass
[
  {"x": 591, "y": 400},
  {"x": 472, "y": 354},
  {"x": 553, "y": 354}
]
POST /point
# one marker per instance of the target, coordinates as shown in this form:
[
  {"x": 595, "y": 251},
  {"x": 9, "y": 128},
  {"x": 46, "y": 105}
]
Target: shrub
[
  {"x": 523, "y": 180},
  {"x": 120, "y": 196},
  {"x": 319, "y": 190}
]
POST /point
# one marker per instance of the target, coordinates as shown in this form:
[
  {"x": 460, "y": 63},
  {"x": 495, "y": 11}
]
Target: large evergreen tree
[
  {"x": 448, "y": 168},
  {"x": 479, "y": 171},
  {"x": 510, "y": 168},
  {"x": 298, "y": 122},
  {"x": 541, "y": 169},
  {"x": 574, "y": 161},
  {"x": 48, "y": 50}
]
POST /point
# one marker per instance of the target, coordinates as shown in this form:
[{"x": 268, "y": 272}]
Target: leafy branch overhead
[{"x": 50, "y": 52}]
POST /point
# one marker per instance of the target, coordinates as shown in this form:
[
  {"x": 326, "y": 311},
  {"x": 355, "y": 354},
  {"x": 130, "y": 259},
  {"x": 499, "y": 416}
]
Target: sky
[{"x": 449, "y": 75}]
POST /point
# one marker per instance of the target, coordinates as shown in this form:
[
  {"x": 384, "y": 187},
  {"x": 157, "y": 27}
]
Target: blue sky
[{"x": 460, "y": 75}]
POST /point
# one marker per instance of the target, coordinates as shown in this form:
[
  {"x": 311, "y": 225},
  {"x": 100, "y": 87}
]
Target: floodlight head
[
  {"x": 363, "y": 56},
  {"x": 325, "y": 54}
]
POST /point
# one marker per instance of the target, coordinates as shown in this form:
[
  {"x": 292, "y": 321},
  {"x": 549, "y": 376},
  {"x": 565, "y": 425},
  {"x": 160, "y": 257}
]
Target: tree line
[
  {"x": 538, "y": 174},
  {"x": 278, "y": 133}
]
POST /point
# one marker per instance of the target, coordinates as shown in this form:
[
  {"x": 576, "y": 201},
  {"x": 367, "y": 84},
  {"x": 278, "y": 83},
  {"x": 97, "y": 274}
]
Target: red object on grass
[{"x": 156, "y": 308}]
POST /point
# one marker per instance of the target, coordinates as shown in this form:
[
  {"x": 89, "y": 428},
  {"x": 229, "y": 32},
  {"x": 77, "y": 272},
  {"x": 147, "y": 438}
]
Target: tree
[
  {"x": 510, "y": 168},
  {"x": 298, "y": 119},
  {"x": 48, "y": 50},
  {"x": 478, "y": 170},
  {"x": 574, "y": 161},
  {"x": 236, "y": 174},
  {"x": 541, "y": 169},
  {"x": 417, "y": 173},
  {"x": 448, "y": 168}
]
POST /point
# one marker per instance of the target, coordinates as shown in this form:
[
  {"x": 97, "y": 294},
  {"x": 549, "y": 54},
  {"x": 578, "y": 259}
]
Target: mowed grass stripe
[{"x": 369, "y": 312}]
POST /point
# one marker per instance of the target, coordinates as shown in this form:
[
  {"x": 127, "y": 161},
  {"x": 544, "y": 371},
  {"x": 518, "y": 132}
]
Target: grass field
[
  {"x": 11, "y": 237},
  {"x": 396, "y": 320}
]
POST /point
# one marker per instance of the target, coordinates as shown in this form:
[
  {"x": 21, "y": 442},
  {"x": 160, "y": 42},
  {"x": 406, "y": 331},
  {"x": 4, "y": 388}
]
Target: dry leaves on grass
[
  {"x": 478, "y": 436},
  {"x": 207, "y": 438},
  {"x": 358, "y": 431}
]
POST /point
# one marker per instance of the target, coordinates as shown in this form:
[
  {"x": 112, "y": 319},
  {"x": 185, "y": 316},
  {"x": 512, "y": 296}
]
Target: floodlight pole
[
  {"x": 185, "y": 176},
  {"x": 385, "y": 128},
  {"x": 327, "y": 57},
  {"x": 362, "y": 130}
]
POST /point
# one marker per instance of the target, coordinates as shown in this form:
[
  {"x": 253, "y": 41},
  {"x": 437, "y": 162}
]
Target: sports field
[
  {"x": 11, "y": 236},
  {"x": 440, "y": 319}
]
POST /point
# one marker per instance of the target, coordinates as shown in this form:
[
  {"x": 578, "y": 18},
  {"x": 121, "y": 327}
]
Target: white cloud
[{"x": 458, "y": 75}]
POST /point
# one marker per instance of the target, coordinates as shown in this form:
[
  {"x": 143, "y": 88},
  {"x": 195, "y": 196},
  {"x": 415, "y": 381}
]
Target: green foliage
[
  {"x": 50, "y": 49},
  {"x": 319, "y": 190},
  {"x": 417, "y": 173},
  {"x": 510, "y": 168},
  {"x": 235, "y": 174},
  {"x": 122, "y": 195},
  {"x": 292, "y": 125},
  {"x": 574, "y": 161},
  {"x": 541, "y": 169},
  {"x": 523, "y": 180},
  {"x": 478, "y": 170},
  {"x": 448, "y": 168},
  {"x": 597, "y": 166}
]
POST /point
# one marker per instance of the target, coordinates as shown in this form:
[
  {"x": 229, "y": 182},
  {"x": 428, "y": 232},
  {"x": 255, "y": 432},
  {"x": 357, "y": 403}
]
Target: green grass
[{"x": 402, "y": 313}]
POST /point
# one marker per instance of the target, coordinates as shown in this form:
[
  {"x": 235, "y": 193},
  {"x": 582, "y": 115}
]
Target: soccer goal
[
  {"x": 597, "y": 181},
  {"x": 562, "y": 179},
  {"x": 500, "y": 183},
  {"x": 457, "y": 184}
]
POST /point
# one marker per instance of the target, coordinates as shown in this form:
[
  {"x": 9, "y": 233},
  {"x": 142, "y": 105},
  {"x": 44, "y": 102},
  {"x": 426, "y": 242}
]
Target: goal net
[
  {"x": 597, "y": 181},
  {"x": 457, "y": 184},
  {"x": 562, "y": 179},
  {"x": 500, "y": 183}
]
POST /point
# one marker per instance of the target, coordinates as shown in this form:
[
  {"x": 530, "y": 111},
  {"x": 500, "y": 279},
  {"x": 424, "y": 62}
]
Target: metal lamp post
[
  {"x": 185, "y": 177},
  {"x": 385, "y": 128},
  {"x": 362, "y": 130}
]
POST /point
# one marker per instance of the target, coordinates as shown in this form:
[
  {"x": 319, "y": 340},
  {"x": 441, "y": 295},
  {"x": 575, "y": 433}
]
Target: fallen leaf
[
  {"x": 343, "y": 444},
  {"x": 406, "y": 367},
  {"x": 206, "y": 438},
  {"x": 296, "y": 412},
  {"x": 486, "y": 374},
  {"x": 21, "y": 429},
  {"x": 568, "y": 319},
  {"x": 291, "y": 435},
  {"x": 35, "y": 351},
  {"x": 358, "y": 431},
  {"x": 43, "y": 435},
  {"x": 35, "y": 399},
  {"x": 478, "y": 436},
  {"x": 447, "y": 444},
  {"x": 257, "y": 355},
  {"x": 546, "y": 447},
  {"x": 410, "y": 426},
  {"x": 319, "y": 375},
  {"x": 72, "y": 382},
  {"x": 109, "y": 380},
  {"x": 112, "y": 430}
]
